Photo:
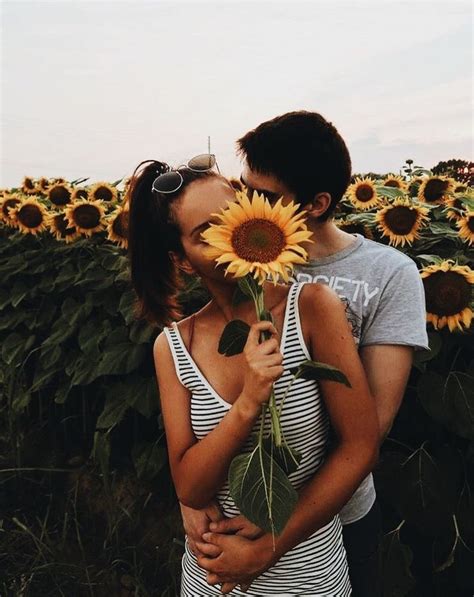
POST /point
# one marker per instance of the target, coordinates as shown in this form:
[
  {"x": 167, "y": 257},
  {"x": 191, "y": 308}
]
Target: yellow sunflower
[
  {"x": 466, "y": 227},
  {"x": 103, "y": 191},
  {"x": 397, "y": 182},
  {"x": 42, "y": 185},
  {"x": 401, "y": 222},
  {"x": 117, "y": 228},
  {"x": 80, "y": 193},
  {"x": 363, "y": 194},
  {"x": 28, "y": 186},
  {"x": 59, "y": 194},
  {"x": 30, "y": 216},
  {"x": 87, "y": 216},
  {"x": 448, "y": 291},
  {"x": 60, "y": 229},
  {"x": 435, "y": 189},
  {"x": 256, "y": 237},
  {"x": 455, "y": 208},
  {"x": 354, "y": 228},
  {"x": 414, "y": 186},
  {"x": 7, "y": 205}
]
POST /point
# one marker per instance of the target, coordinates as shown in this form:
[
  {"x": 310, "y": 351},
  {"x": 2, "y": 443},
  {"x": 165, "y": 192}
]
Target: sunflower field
[{"x": 87, "y": 502}]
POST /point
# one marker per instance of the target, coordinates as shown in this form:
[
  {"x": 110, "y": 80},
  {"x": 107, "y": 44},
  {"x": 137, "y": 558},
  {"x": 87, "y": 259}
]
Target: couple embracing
[{"x": 354, "y": 304}]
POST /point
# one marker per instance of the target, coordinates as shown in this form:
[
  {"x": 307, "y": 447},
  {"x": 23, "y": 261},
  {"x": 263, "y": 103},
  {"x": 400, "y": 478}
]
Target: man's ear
[
  {"x": 319, "y": 205},
  {"x": 181, "y": 263}
]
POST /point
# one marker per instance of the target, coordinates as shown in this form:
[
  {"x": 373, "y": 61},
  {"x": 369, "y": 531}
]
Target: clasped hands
[{"x": 233, "y": 551}]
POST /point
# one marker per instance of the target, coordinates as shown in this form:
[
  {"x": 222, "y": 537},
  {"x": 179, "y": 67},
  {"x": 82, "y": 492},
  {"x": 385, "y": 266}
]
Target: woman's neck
[{"x": 223, "y": 295}]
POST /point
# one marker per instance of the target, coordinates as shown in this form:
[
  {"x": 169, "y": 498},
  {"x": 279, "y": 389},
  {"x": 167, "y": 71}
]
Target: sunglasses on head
[{"x": 171, "y": 181}]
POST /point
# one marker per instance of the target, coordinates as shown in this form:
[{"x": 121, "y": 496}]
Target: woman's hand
[
  {"x": 263, "y": 364},
  {"x": 196, "y": 523}
]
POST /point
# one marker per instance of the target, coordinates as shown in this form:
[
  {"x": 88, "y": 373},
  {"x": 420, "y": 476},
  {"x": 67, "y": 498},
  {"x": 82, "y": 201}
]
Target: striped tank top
[{"x": 317, "y": 566}]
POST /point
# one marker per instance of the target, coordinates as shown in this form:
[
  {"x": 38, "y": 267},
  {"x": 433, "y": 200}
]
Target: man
[{"x": 302, "y": 157}]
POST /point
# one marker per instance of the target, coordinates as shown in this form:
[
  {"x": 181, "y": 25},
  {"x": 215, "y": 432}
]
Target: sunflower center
[
  {"x": 400, "y": 219},
  {"x": 86, "y": 216},
  {"x": 447, "y": 293},
  {"x": 59, "y": 195},
  {"x": 29, "y": 184},
  {"x": 470, "y": 223},
  {"x": 435, "y": 189},
  {"x": 120, "y": 225},
  {"x": 258, "y": 240},
  {"x": 364, "y": 192},
  {"x": 30, "y": 216},
  {"x": 392, "y": 183},
  {"x": 103, "y": 193}
]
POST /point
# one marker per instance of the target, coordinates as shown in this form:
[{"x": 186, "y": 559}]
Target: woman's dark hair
[
  {"x": 302, "y": 150},
  {"x": 153, "y": 232}
]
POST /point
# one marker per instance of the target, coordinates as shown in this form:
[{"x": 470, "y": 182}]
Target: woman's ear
[
  {"x": 181, "y": 263},
  {"x": 319, "y": 205}
]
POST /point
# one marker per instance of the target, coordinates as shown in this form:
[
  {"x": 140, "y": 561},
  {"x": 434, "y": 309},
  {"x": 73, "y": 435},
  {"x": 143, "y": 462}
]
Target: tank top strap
[
  {"x": 292, "y": 325},
  {"x": 178, "y": 351}
]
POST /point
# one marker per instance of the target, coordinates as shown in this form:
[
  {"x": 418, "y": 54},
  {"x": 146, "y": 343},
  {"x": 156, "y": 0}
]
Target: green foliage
[
  {"x": 233, "y": 338},
  {"x": 261, "y": 490},
  {"x": 317, "y": 371},
  {"x": 77, "y": 384}
]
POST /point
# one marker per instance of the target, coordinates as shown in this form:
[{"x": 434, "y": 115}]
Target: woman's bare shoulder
[{"x": 317, "y": 300}]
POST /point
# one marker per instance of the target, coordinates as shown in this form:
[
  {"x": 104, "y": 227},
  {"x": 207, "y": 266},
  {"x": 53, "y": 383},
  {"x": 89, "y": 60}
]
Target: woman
[{"x": 211, "y": 404}]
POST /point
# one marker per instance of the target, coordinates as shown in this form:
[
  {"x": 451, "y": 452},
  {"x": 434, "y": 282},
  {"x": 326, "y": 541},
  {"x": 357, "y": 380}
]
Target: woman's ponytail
[{"x": 153, "y": 233}]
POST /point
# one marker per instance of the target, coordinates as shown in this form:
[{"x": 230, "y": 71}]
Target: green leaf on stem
[
  {"x": 317, "y": 371},
  {"x": 233, "y": 338},
  {"x": 288, "y": 458},
  {"x": 261, "y": 490}
]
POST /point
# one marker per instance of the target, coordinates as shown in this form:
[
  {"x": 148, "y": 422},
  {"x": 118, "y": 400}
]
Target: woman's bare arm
[{"x": 200, "y": 468}]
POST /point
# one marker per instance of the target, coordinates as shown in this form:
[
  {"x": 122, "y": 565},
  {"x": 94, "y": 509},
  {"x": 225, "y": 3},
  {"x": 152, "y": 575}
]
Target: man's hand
[
  {"x": 232, "y": 559},
  {"x": 239, "y": 525},
  {"x": 196, "y": 523}
]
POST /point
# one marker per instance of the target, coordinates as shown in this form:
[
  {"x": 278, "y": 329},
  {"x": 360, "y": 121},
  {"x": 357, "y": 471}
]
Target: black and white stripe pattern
[{"x": 316, "y": 567}]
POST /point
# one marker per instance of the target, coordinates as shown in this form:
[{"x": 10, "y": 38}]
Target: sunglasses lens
[
  {"x": 167, "y": 183},
  {"x": 202, "y": 162}
]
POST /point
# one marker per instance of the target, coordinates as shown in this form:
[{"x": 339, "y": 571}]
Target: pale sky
[{"x": 92, "y": 88}]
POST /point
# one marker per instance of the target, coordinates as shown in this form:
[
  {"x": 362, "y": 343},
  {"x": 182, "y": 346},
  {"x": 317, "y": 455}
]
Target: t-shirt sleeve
[{"x": 400, "y": 317}]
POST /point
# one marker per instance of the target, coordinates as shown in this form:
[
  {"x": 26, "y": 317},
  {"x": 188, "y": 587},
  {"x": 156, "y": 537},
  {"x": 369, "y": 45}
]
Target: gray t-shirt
[{"x": 385, "y": 304}]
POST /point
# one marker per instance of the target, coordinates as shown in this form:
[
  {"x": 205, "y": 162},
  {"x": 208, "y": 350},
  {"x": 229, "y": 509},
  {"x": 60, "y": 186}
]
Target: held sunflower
[
  {"x": 258, "y": 238},
  {"x": 86, "y": 216},
  {"x": 401, "y": 222},
  {"x": 435, "y": 189},
  {"x": 448, "y": 290},
  {"x": 363, "y": 194}
]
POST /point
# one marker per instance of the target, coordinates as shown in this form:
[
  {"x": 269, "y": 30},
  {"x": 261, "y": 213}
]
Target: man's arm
[{"x": 387, "y": 367}]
